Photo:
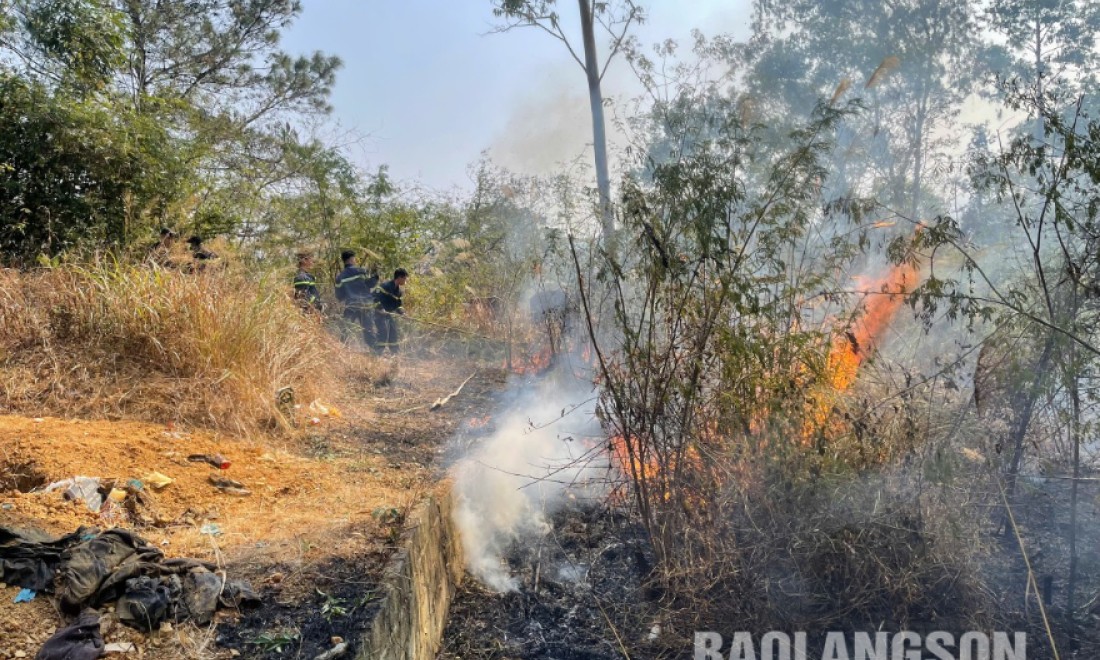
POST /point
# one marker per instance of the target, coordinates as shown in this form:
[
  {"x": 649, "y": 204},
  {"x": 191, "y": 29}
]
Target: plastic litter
[
  {"x": 335, "y": 652},
  {"x": 157, "y": 480},
  {"x": 323, "y": 410},
  {"x": 85, "y": 489},
  {"x": 25, "y": 596},
  {"x": 210, "y": 529},
  {"x": 217, "y": 460},
  {"x": 229, "y": 486},
  {"x": 117, "y": 495}
]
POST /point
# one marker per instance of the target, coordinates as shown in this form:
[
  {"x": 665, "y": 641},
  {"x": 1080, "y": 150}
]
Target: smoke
[
  {"x": 548, "y": 126},
  {"x": 541, "y": 454}
]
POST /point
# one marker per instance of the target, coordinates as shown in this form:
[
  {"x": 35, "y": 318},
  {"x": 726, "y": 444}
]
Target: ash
[{"x": 581, "y": 595}]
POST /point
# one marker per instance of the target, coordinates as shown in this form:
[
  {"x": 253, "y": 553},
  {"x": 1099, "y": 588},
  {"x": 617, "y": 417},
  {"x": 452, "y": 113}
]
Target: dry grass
[{"x": 109, "y": 340}]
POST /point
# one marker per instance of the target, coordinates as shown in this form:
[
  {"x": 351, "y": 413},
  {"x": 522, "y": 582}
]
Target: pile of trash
[{"x": 88, "y": 569}]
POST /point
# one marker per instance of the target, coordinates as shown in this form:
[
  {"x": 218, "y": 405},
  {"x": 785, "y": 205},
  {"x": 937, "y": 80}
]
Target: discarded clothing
[
  {"x": 200, "y": 595},
  {"x": 96, "y": 570},
  {"x": 90, "y": 569},
  {"x": 146, "y": 603},
  {"x": 79, "y": 641},
  {"x": 29, "y": 563},
  {"x": 237, "y": 594}
]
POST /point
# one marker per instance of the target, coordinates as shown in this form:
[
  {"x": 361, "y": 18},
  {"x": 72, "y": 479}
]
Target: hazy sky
[{"x": 428, "y": 88}]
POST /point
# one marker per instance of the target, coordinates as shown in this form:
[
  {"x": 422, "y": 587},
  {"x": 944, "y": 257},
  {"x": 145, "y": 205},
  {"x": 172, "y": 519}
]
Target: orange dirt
[
  {"x": 321, "y": 495},
  {"x": 300, "y": 509},
  {"x": 293, "y": 497}
]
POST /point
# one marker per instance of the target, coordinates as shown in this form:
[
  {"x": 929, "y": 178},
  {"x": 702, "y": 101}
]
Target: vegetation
[
  {"x": 777, "y": 208},
  {"x": 109, "y": 339}
]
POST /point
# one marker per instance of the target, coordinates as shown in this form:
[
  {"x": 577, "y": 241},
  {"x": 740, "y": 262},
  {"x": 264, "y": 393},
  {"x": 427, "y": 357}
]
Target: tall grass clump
[{"x": 109, "y": 339}]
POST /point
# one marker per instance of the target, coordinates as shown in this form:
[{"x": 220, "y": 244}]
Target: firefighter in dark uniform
[
  {"x": 355, "y": 288},
  {"x": 388, "y": 297},
  {"x": 202, "y": 258},
  {"x": 305, "y": 284},
  {"x": 166, "y": 253}
]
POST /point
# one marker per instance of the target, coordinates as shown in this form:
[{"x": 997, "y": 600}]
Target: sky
[{"x": 427, "y": 87}]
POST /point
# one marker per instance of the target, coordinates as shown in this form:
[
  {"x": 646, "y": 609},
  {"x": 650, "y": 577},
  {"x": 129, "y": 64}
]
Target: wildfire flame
[
  {"x": 534, "y": 364},
  {"x": 884, "y": 299},
  {"x": 479, "y": 422},
  {"x": 650, "y": 471}
]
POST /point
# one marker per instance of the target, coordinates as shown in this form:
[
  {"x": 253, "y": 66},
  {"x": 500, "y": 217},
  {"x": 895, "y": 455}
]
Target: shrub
[{"x": 115, "y": 340}]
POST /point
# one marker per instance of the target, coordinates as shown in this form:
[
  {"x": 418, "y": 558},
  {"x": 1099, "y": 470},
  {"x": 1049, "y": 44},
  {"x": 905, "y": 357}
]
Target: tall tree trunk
[
  {"x": 599, "y": 134},
  {"x": 1024, "y": 402},
  {"x": 1071, "y": 371},
  {"x": 918, "y": 166},
  {"x": 1075, "y": 433}
]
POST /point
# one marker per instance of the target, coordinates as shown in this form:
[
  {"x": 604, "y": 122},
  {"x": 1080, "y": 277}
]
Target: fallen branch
[{"x": 439, "y": 403}]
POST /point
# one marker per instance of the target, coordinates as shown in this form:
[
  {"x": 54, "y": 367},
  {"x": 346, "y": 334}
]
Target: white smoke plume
[{"x": 509, "y": 485}]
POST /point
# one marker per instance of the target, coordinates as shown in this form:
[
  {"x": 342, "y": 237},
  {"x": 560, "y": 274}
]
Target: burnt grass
[
  {"x": 343, "y": 601},
  {"x": 583, "y": 589},
  {"x": 581, "y": 596}
]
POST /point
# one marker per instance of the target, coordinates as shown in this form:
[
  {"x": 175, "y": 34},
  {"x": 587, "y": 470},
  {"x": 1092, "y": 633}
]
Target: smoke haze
[{"x": 510, "y": 483}]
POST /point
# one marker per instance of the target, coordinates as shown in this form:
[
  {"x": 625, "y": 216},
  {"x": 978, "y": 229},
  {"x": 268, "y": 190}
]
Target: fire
[
  {"x": 535, "y": 364},
  {"x": 651, "y": 471},
  {"x": 884, "y": 299},
  {"x": 479, "y": 422},
  {"x": 631, "y": 465}
]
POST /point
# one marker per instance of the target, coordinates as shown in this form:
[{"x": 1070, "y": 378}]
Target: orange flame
[
  {"x": 479, "y": 422},
  {"x": 884, "y": 299},
  {"x": 850, "y": 349},
  {"x": 534, "y": 364},
  {"x": 633, "y": 468}
]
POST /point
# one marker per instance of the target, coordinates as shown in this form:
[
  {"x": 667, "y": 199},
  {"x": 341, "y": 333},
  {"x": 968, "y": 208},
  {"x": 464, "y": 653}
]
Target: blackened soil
[
  {"x": 408, "y": 432},
  {"x": 1042, "y": 508},
  {"x": 338, "y": 597},
  {"x": 581, "y": 596},
  {"x": 343, "y": 601}
]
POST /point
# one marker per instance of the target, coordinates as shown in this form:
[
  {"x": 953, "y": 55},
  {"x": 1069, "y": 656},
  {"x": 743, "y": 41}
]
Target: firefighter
[
  {"x": 201, "y": 256},
  {"x": 167, "y": 252},
  {"x": 305, "y": 284},
  {"x": 388, "y": 298},
  {"x": 354, "y": 288}
]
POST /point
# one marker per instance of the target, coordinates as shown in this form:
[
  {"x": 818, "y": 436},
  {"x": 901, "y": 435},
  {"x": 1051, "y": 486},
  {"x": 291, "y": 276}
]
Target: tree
[
  {"x": 1051, "y": 304},
  {"x": 208, "y": 75},
  {"x": 910, "y": 55},
  {"x": 78, "y": 43},
  {"x": 709, "y": 334},
  {"x": 1049, "y": 45},
  {"x": 616, "y": 18},
  {"x": 72, "y": 172}
]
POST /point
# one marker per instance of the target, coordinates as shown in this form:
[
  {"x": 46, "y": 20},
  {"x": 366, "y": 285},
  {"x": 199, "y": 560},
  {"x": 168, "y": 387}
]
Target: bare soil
[{"x": 327, "y": 503}]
